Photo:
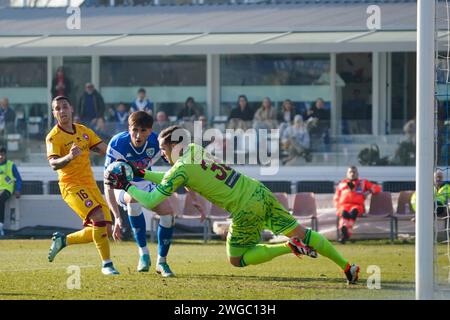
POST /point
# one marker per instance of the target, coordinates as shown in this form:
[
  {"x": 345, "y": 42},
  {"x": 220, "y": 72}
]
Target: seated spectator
[
  {"x": 142, "y": 103},
  {"x": 241, "y": 116},
  {"x": 10, "y": 183},
  {"x": 286, "y": 115},
  {"x": 318, "y": 124},
  {"x": 266, "y": 116},
  {"x": 190, "y": 112},
  {"x": 295, "y": 140},
  {"x": 349, "y": 200},
  {"x": 162, "y": 122},
  {"x": 405, "y": 155},
  {"x": 120, "y": 117}
]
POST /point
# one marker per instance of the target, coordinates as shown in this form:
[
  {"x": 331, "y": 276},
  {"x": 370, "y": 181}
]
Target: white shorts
[{"x": 142, "y": 185}]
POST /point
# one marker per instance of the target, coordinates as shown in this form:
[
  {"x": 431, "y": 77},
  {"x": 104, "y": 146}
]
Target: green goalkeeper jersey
[{"x": 200, "y": 172}]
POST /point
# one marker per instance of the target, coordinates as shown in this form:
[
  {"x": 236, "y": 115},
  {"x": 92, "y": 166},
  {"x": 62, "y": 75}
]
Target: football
[{"x": 116, "y": 168}]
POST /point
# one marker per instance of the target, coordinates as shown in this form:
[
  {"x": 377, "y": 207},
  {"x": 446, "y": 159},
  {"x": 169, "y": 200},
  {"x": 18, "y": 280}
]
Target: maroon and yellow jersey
[{"x": 77, "y": 172}]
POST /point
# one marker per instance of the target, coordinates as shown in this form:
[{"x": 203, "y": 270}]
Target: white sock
[
  {"x": 143, "y": 250},
  {"x": 160, "y": 260},
  {"x": 106, "y": 261}
]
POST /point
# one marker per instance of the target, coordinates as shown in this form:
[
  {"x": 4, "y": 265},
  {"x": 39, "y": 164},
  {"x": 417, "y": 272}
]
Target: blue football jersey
[{"x": 120, "y": 147}]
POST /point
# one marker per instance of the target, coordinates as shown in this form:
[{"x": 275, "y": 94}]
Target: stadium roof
[{"x": 307, "y": 26}]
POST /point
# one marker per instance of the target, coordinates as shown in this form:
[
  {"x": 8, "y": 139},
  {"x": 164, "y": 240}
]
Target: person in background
[
  {"x": 190, "y": 112},
  {"x": 91, "y": 106},
  {"x": 441, "y": 195},
  {"x": 295, "y": 140},
  {"x": 162, "y": 122},
  {"x": 241, "y": 116},
  {"x": 142, "y": 103},
  {"x": 120, "y": 117},
  {"x": 7, "y": 116},
  {"x": 10, "y": 183},
  {"x": 349, "y": 200},
  {"x": 61, "y": 85}
]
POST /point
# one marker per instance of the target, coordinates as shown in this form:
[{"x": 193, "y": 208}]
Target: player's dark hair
[
  {"x": 2, "y": 149},
  {"x": 141, "y": 90},
  {"x": 167, "y": 135},
  {"x": 60, "y": 98},
  {"x": 140, "y": 119}
]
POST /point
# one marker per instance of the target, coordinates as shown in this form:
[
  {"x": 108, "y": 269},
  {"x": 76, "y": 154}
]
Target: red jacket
[{"x": 349, "y": 197}]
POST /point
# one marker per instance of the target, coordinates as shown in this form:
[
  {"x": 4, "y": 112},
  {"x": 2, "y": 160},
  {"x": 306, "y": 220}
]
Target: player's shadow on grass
[{"x": 386, "y": 285}]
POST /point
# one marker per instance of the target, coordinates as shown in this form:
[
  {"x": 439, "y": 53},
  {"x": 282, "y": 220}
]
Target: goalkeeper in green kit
[{"x": 252, "y": 206}]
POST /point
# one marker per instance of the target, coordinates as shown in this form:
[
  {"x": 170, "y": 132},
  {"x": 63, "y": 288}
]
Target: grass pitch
[{"x": 202, "y": 273}]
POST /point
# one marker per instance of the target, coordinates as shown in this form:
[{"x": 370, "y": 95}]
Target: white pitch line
[{"x": 45, "y": 268}]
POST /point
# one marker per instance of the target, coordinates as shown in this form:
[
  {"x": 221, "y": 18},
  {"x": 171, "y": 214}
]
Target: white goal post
[{"x": 425, "y": 148}]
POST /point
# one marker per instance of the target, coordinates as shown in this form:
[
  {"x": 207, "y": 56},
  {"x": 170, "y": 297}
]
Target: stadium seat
[
  {"x": 32, "y": 187},
  {"x": 316, "y": 186},
  {"x": 219, "y": 221},
  {"x": 381, "y": 209},
  {"x": 278, "y": 186},
  {"x": 397, "y": 186},
  {"x": 403, "y": 212},
  {"x": 191, "y": 216},
  {"x": 304, "y": 208},
  {"x": 284, "y": 199}
]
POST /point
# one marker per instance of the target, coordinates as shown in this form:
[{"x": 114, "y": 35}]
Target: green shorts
[{"x": 263, "y": 211}]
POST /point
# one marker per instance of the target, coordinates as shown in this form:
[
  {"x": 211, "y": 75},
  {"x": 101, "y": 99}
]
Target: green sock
[
  {"x": 321, "y": 244},
  {"x": 263, "y": 253}
]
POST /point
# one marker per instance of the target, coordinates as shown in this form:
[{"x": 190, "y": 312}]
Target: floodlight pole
[{"x": 425, "y": 148}]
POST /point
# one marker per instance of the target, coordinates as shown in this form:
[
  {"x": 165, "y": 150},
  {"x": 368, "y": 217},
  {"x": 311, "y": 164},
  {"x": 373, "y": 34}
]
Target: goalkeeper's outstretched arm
[
  {"x": 147, "y": 199},
  {"x": 154, "y": 176}
]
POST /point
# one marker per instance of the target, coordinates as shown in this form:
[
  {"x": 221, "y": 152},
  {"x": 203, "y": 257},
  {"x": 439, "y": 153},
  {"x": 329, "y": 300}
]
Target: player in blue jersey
[{"x": 140, "y": 146}]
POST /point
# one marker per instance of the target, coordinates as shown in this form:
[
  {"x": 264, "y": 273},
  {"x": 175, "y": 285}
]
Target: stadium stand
[
  {"x": 304, "y": 209},
  {"x": 284, "y": 199},
  {"x": 403, "y": 212},
  {"x": 190, "y": 217},
  {"x": 397, "y": 186},
  {"x": 316, "y": 186},
  {"x": 32, "y": 187},
  {"x": 278, "y": 186},
  {"x": 53, "y": 187}
]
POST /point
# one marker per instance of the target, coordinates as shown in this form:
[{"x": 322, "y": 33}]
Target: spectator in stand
[
  {"x": 266, "y": 116},
  {"x": 162, "y": 122},
  {"x": 7, "y": 117},
  {"x": 349, "y": 200},
  {"x": 355, "y": 113},
  {"x": 10, "y": 183},
  {"x": 241, "y": 117},
  {"x": 295, "y": 140},
  {"x": 190, "y": 112},
  {"x": 120, "y": 117},
  {"x": 405, "y": 154},
  {"x": 61, "y": 85},
  {"x": 142, "y": 103},
  {"x": 286, "y": 115},
  {"x": 318, "y": 124},
  {"x": 91, "y": 106}
]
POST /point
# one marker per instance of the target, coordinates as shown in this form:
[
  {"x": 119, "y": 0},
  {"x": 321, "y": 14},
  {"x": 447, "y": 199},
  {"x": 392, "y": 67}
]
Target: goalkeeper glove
[
  {"x": 117, "y": 180},
  {"x": 136, "y": 171}
]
